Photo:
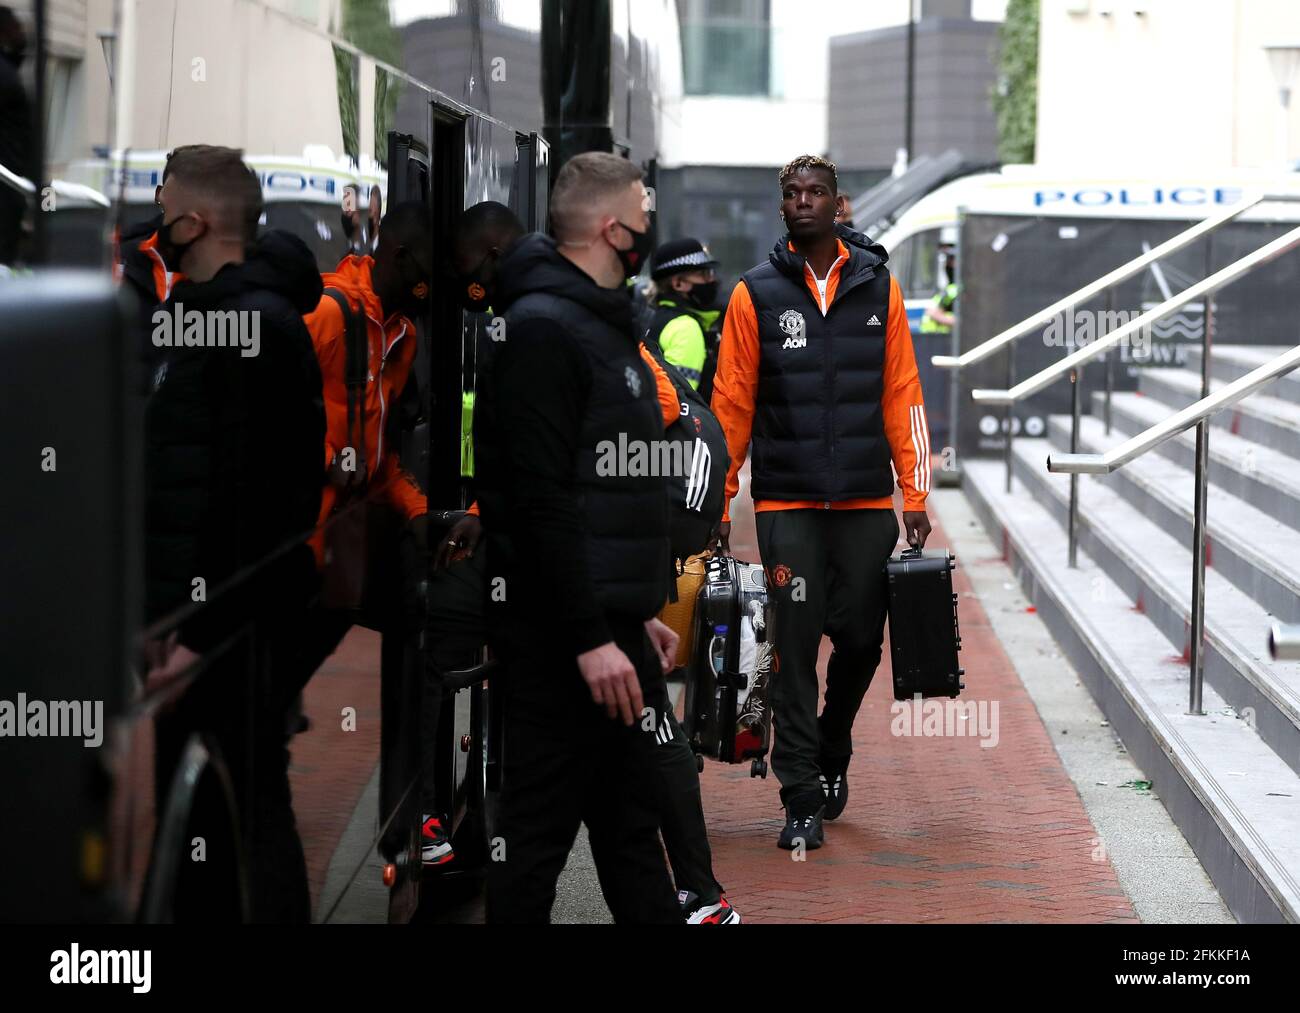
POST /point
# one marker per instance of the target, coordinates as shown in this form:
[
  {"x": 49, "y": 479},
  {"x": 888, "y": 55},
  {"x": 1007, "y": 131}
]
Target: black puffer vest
[
  {"x": 819, "y": 429},
  {"x": 625, "y": 515}
]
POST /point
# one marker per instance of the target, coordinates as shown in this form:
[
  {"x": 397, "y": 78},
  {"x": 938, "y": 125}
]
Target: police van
[{"x": 1027, "y": 236}]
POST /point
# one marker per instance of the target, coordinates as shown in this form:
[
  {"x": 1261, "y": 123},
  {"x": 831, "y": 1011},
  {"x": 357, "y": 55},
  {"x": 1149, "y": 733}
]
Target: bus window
[{"x": 899, "y": 259}]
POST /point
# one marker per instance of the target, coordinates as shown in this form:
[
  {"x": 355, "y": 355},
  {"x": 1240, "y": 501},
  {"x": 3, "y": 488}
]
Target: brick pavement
[
  {"x": 937, "y": 829},
  {"x": 329, "y": 766}
]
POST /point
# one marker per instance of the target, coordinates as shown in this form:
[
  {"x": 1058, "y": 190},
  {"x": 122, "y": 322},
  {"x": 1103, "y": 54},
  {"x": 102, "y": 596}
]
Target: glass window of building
[{"x": 726, "y": 46}]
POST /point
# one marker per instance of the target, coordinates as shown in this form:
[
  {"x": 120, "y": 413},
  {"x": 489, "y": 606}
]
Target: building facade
[
  {"x": 955, "y": 74},
  {"x": 1156, "y": 82}
]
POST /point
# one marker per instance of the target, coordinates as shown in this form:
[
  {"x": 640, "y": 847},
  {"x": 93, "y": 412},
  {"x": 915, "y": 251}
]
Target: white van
[{"x": 914, "y": 238}]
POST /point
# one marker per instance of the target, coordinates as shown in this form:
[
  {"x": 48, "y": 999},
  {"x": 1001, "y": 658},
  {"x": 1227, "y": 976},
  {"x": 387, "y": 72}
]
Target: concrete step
[
  {"x": 1252, "y": 550},
  {"x": 1262, "y": 417},
  {"x": 1267, "y": 479},
  {"x": 1230, "y": 794},
  {"x": 1154, "y": 569},
  {"x": 1227, "y": 362}
]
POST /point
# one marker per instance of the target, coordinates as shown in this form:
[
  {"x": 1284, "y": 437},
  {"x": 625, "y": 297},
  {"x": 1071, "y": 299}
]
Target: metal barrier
[
  {"x": 1105, "y": 284},
  {"x": 1198, "y": 415}
]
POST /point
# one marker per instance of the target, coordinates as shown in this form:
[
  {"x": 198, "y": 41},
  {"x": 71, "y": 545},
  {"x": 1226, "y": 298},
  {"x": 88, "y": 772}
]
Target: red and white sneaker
[
  {"x": 435, "y": 843},
  {"x": 721, "y": 913}
]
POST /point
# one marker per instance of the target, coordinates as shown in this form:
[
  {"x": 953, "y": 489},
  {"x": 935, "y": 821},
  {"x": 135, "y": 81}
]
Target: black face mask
[
  {"x": 474, "y": 288},
  {"x": 702, "y": 294},
  {"x": 633, "y": 257},
  {"x": 413, "y": 289},
  {"x": 170, "y": 251}
]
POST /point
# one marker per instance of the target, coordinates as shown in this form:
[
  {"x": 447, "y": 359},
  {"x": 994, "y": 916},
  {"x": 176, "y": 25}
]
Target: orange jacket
[
  {"x": 147, "y": 250},
  {"x": 735, "y": 387},
  {"x": 669, "y": 406},
  {"x": 392, "y": 350}
]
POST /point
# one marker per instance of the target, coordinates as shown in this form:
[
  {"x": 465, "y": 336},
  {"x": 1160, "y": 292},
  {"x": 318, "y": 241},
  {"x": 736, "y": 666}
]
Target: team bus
[{"x": 337, "y": 133}]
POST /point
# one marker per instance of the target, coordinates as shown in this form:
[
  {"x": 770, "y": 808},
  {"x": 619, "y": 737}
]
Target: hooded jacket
[
  {"x": 392, "y": 347},
  {"x": 825, "y": 384},
  {"x": 582, "y": 547},
  {"x": 232, "y": 446}
]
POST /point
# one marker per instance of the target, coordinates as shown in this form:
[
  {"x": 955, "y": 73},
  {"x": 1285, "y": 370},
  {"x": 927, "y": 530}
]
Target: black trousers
[
  {"x": 681, "y": 809},
  {"x": 567, "y": 763},
  {"x": 455, "y": 633},
  {"x": 837, "y": 587},
  {"x": 237, "y": 708}
]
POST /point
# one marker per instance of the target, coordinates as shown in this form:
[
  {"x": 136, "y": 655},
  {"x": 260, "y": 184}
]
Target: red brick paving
[
  {"x": 330, "y": 767},
  {"x": 937, "y": 829}
]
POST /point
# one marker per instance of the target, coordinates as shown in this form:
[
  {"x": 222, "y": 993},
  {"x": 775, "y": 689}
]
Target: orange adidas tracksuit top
[{"x": 735, "y": 388}]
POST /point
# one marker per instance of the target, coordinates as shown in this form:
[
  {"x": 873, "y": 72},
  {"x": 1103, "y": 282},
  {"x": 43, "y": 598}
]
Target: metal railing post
[
  {"x": 1110, "y": 364},
  {"x": 1076, "y": 384},
  {"x": 1197, "y": 633},
  {"x": 1011, "y": 408}
]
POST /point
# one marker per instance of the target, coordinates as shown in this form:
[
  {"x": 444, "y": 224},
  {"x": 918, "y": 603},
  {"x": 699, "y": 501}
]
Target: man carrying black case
[{"x": 817, "y": 366}]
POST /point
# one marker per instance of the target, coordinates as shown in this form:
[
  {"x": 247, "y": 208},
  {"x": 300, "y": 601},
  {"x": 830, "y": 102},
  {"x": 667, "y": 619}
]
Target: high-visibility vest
[{"x": 945, "y": 300}]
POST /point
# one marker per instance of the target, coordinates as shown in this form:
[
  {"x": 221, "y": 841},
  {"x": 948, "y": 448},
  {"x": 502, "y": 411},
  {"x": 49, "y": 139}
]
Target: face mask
[
  {"x": 473, "y": 292},
  {"x": 702, "y": 294},
  {"x": 172, "y": 252},
  {"x": 417, "y": 289},
  {"x": 633, "y": 257}
]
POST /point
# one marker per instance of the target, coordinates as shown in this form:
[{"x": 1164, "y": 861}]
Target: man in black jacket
[
  {"x": 578, "y": 561},
  {"x": 233, "y": 436}
]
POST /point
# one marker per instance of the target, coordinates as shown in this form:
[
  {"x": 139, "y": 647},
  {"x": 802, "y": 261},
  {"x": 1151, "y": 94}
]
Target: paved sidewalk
[
  {"x": 937, "y": 829},
  {"x": 330, "y": 766}
]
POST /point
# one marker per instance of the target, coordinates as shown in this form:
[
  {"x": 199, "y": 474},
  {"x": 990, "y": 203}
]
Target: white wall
[
  {"x": 225, "y": 79},
  {"x": 1185, "y": 84}
]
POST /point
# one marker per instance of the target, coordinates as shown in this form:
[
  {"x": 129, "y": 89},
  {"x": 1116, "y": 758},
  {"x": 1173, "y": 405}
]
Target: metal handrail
[
  {"x": 1107, "y": 281},
  {"x": 1044, "y": 377},
  {"x": 1073, "y": 363},
  {"x": 1179, "y": 422},
  {"x": 1198, "y": 415},
  {"x": 1284, "y": 642}
]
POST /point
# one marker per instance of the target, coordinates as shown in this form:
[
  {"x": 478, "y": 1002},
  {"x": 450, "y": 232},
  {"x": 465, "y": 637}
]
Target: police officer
[
  {"x": 685, "y": 289},
  {"x": 940, "y": 314}
]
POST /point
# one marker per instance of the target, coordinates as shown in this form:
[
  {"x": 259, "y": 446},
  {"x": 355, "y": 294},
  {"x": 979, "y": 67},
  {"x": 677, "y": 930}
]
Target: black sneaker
[
  {"x": 835, "y": 787},
  {"x": 802, "y": 829}
]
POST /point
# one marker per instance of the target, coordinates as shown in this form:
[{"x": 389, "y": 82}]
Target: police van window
[
  {"x": 923, "y": 268},
  {"x": 899, "y": 259}
]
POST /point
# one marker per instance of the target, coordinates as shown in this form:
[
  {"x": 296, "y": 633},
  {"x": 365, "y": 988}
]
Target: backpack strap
[{"x": 355, "y": 371}]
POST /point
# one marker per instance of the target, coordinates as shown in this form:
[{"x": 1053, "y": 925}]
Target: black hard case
[{"x": 924, "y": 637}]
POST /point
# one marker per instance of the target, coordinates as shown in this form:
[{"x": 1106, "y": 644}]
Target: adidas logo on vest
[{"x": 874, "y": 321}]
